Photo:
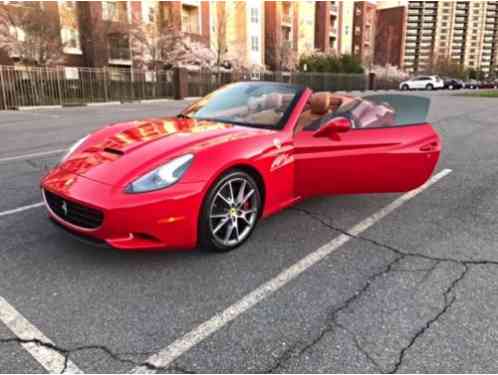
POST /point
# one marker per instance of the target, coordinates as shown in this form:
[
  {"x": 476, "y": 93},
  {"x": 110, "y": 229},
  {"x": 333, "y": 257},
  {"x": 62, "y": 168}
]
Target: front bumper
[{"x": 165, "y": 219}]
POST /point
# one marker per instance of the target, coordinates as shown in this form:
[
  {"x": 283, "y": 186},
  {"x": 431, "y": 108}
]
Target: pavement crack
[
  {"x": 449, "y": 299},
  {"x": 377, "y": 243},
  {"x": 448, "y": 296},
  {"x": 331, "y": 322},
  {"x": 117, "y": 356}
]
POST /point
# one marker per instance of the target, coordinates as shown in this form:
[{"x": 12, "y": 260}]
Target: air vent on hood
[{"x": 113, "y": 151}]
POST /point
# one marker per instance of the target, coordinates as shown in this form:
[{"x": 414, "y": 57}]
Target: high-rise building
[
  {"x": 364, "y": 20},
  {"x": 463, "y": 32}
]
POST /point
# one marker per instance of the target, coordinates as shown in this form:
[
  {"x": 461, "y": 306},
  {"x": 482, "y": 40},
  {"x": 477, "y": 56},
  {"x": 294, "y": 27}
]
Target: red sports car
[{"x": 205, "y": 177}]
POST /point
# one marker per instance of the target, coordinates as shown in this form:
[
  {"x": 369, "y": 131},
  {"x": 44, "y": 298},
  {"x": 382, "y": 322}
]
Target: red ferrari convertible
[{"x": 205, "y": 177}]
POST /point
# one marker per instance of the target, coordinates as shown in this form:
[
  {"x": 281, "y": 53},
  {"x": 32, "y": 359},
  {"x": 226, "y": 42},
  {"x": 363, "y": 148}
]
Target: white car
[{"x": 422, "y": 83}]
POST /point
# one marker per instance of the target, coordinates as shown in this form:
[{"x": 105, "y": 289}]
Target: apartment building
[
  {"x": 390, "y": 30},
  {"x": 464, "y": 32},
  {"x": 237, "y": 31},
  {"x": 364, "y": 20},
  {"x": 306, "y": 27},
  {"x": 62, "y": 15},
  {"x": 281, "y": 33},
  {"x": 328, "y": 18},
  {"x": 346, "y": 27}
]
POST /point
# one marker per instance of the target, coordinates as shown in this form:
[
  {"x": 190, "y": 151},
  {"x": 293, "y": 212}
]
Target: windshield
[{"x": 257, "y": 104}]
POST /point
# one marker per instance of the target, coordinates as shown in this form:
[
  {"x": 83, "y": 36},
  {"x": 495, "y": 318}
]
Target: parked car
[
  {"x": 472, "y": 84},
  {"x": 453, "y": 84},
  {"x": 489, "y": 85},
  {"x": 244, "y": 152},
  {"x": 422, "y": 83}
]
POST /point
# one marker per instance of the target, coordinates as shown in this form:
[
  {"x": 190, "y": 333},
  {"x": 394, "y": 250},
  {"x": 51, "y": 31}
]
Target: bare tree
[
  {"x": 31, "y": 34},
  {"x": 285, "y": 57}
]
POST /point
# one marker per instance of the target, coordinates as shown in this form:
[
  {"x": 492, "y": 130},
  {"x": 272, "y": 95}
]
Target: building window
[
  {"x": 108, "y": 10},
  {"x": 18, "y": 33},
  {"x": 119, "y": 47},
  {"x": 148, "y": 12},
  {"x": 254, "y": 43},
  {"x": 190, "y": 20},
  {"x": 71, "y": 40},
  {"x": 116, "y": 11},
  {"x": 254, "y": 15}
]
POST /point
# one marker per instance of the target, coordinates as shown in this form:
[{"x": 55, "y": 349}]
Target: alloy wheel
[{"x": 233, "y": 212}]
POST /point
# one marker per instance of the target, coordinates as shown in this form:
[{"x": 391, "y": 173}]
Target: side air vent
[{"x": 113, "y": 151}]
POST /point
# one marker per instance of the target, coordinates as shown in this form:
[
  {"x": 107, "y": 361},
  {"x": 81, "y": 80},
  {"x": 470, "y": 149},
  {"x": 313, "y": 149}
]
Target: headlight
[
  {"x": 163, "y": 176},
  {"x": 73, "y": 148}
]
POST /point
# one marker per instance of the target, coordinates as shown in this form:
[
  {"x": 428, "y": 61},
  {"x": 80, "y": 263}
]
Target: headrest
[
  {"x": 320, "y": 103},
  {"x": 335, "y": 102}
]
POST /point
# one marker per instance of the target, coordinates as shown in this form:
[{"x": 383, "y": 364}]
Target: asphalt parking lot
[{"x": 390, "y": 283}]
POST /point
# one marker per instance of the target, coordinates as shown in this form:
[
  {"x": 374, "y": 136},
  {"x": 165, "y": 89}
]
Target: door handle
[{"x": 429, "y": 147}]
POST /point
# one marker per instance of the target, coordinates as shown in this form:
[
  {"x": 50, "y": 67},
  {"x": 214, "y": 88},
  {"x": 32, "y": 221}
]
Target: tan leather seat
[{"x": 321, "y": 103}]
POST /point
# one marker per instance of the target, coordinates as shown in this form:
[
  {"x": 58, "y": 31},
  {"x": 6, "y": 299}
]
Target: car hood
[{"x": 124, "y": 151}]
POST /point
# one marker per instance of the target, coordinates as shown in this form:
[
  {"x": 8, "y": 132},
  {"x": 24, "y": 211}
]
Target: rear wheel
[
  {"x": 230, "y": 212},
  {"x": 405, "y": 87},
  {"x": 429, "y": 86}
]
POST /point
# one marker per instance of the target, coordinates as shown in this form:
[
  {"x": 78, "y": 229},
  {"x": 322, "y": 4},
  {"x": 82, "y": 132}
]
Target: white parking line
[
  {"x": 50, "y": 359},
  {"x": 21, "y": 209},
  {"x": 166, "y": 356},
  {"x": 34, "y": 155}
]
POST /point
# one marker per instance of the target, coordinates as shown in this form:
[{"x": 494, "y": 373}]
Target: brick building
[
  {"x": 364, "y": 20},
  {"x": 390, "y": 36}
]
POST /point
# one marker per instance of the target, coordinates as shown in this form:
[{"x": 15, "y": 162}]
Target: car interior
[
  {"x": 322, "y": 107},
  {"x": 319, "y": 106}
]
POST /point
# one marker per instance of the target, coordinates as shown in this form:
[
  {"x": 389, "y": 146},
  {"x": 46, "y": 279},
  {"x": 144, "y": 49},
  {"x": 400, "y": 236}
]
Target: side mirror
[{"x": 336, "y": 125}]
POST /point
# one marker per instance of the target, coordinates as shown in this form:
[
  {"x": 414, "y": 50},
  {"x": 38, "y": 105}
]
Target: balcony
[{"x": 333, "y": 9}]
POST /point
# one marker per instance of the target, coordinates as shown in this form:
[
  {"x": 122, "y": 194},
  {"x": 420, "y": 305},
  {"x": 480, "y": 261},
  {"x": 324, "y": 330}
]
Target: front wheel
[
  {"x": 405, "y": 87},
  {"x": 429, "y": 87},
  {"x": 230, "y": 212}
]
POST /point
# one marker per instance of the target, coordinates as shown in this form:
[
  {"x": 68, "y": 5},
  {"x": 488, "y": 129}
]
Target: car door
[
  {"x": 378, "y": 159},
  {"x": 420, "y": 82}
]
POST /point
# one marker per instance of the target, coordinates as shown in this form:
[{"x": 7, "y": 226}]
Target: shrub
[{"x": 323, "y": 63}]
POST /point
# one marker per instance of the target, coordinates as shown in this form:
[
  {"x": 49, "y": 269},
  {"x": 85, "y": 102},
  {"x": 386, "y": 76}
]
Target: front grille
[{"x": 72, "y": 212}]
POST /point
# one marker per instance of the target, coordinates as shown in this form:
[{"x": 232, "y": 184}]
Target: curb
[
  {"x": 35, "y": 107},
  {"x": 99, "y": 104}
]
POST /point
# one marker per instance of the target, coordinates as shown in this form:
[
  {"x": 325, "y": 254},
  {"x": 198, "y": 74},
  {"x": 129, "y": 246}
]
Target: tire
[
  {"x": 429, "y": 87},
  {"x": 450, "y": 87},
  {"x": 405, "y": 87},
  {"x": 228, "y": 218}
]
